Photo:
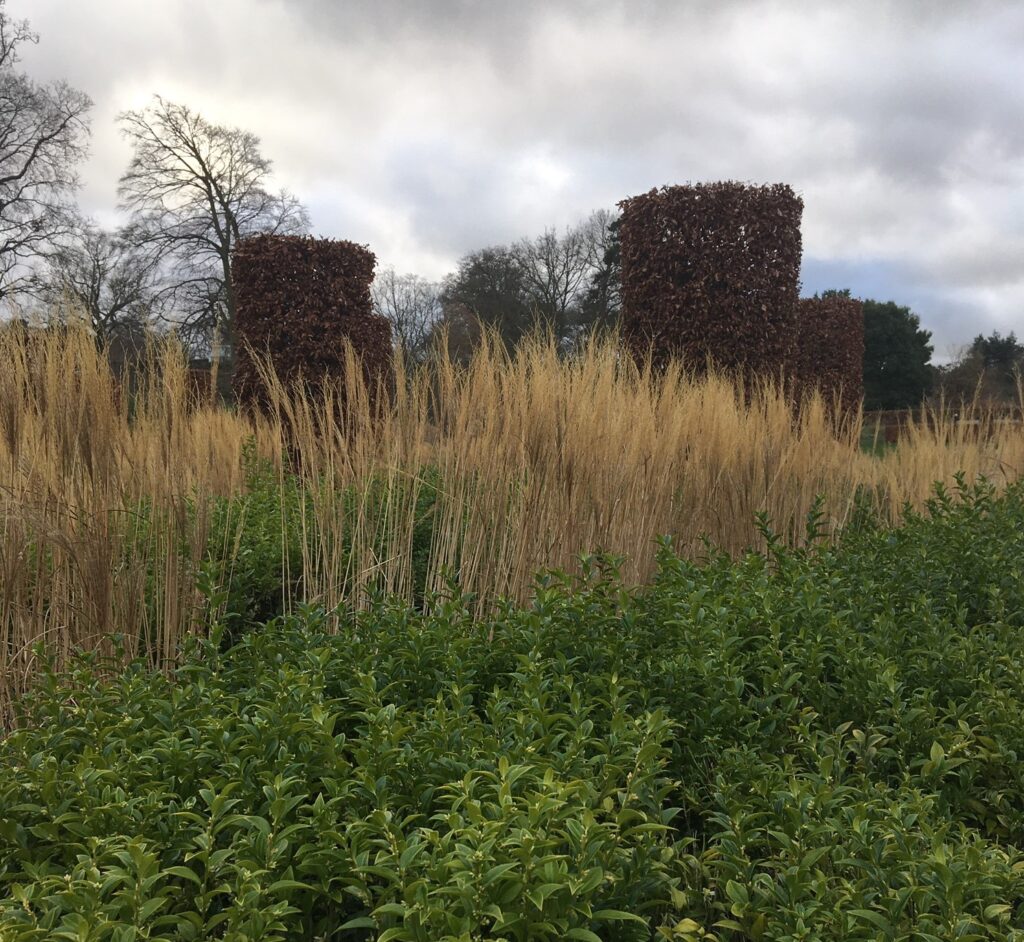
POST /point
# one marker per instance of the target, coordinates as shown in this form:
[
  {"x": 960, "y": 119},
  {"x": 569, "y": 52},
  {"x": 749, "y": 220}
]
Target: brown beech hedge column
[
  {"x": 830, "y": 348},
  {"x": 299, "y": 299},
  {"x": 712, "y": 271}
]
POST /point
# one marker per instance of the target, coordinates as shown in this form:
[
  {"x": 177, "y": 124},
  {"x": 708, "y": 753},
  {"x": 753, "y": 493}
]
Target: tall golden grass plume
[{"x": 107, "y": 489}]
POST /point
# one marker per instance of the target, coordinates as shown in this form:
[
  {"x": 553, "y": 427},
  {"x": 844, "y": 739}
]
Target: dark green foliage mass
[
  {"x": 490, "y": 285},
  {"x": 991, "y": 368},
  {"x": 814, "y": 744},
  {"x": 998, "y": 352},
  {"x": 897, "y": 356}
]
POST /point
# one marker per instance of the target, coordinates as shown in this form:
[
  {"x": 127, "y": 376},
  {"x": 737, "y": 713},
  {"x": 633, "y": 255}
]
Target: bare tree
[
  {"x": 101, "y": 276},
  {"x": 43, "y": 134},
  {"x": 193, "y": 189},
  {"x": 602, "y": 302},
  {"x": 555, "y": 272},
  {"x": 565, "y": 283},
  {"x": 412, "y": 305},
  {"x": 569, "y": 277}
]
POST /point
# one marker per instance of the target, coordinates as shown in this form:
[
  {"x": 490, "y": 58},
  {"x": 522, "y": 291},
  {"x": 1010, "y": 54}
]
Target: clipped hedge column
[
  {"x": 830, "y": 348},
  {"x": 299, "y": 299},
  {"x": 712, "y": 271}
]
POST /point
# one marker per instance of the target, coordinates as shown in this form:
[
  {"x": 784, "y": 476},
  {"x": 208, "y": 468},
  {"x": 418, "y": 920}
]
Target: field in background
[{"x": 133, "y": 514}]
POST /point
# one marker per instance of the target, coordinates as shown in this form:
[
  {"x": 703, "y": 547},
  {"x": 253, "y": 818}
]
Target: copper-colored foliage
[
  {"x": 299, "y": 299},
  {"x": 711, "y": 272},
  {"x": 830, "y": 348}
]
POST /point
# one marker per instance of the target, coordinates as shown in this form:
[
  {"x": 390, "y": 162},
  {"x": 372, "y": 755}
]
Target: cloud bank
[{"x": 430, "y": 129}]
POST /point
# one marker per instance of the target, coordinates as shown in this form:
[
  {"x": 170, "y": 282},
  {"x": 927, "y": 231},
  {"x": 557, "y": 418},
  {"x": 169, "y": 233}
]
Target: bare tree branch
[
  {"x": 101, "y": 276},
  {"x": 193, "y": 189},
  {"x": 555, "y": 270},
  {"x": 412, "y": 305},
  {"x": 43, "y": 135}
]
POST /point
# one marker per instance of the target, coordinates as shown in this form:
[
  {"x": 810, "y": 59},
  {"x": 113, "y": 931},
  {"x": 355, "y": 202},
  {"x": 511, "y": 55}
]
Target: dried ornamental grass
[{"x": 120, "y": 511}]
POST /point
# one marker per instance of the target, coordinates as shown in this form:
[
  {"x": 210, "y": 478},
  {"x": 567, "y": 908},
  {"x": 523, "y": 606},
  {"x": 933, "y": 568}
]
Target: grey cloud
[{"x": 430, "y": 129}]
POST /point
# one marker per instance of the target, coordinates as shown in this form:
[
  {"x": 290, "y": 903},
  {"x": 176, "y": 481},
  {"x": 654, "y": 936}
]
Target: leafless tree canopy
[
  {"x": 103, "y": 278},
  {"x": 43, "y": 134},
  {"x": 412, "y": 305},
  {"x": 602, "y": 303},
  {"x": 566, "y": 283},
  {"x": 193, "y": 189},
  {"x": 555, "y": 270}
]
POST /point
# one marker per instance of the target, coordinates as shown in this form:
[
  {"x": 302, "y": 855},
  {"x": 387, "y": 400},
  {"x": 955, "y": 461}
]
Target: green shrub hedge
[{"x": 822, "y": 743}]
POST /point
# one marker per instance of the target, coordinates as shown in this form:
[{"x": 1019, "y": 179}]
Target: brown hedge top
[
  {"x": 300, "y": 298},
  {"x": 712, "y": 271},
  {"x": 830, "y": 351}
]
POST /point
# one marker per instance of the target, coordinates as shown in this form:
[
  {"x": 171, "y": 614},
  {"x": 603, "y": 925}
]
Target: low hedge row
[{"x": 818, "y": 743}]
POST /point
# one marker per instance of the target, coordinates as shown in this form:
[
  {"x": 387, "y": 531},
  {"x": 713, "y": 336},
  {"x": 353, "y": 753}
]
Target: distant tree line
[
  {"x": 898, "y": 373},
  {"x": 193, "y": 189},
  {"x": 990, "y": 368},
  {"x": 564, "y": 283},
  {"x": 43, "y": 133}
]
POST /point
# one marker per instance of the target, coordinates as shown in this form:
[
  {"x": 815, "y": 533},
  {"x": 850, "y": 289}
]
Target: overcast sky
[{"x": 429, "y": 128}]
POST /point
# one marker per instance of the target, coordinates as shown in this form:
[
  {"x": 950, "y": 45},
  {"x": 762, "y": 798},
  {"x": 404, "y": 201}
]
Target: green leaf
[
  {"x": 617, "y": 915},
  {"x": 281, "y": 886},
  {"x": 148, "y": 909},
  {"x": 737, "y": 892},
  {"x": 396, "y": 933},
  {"x": 873, "y": 917},
  {"x": 997, "y": 911},
  {"x": 359, "y": 922},
  {"x": 185, "y": 873},
  {"x": 391, "y": 909}
]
